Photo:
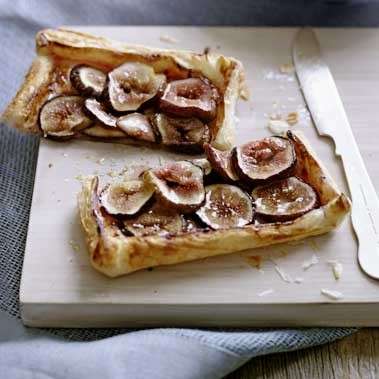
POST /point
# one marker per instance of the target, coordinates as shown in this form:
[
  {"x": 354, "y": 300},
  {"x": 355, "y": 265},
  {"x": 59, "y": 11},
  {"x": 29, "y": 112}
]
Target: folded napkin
[{"x": 112, "y": 353}]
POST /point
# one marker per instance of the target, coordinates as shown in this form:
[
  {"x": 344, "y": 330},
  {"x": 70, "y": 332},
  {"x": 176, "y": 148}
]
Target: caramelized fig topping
[
  {"x": 132, "y": 84},
  {"x": 100, "y": 112},
  {"x": 226, "y": 206},
  {"x": 137, "y": 126},
  {"x": 178, "y": 185},
  {"x": 62, "y": 116},
  {"x": 268, "y": 158},
  {"x": 284, "y": 199},
  {"x": 184, "y": 134},
  {"x": 221, "y": 162},
  {"x": 126, "y": 198},
  {"x": 87, "y": 80},
  {"x": 101, "y": 131},
  {"x": 192, "y": 97},
  {"x": 156, "y": 220}
]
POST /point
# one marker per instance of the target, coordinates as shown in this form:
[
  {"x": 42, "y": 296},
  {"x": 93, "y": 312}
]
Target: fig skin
[
  {"x": 99, "y": 112},
  {"x": 178, "y": 185},
  {"x": 295, "y": 189},
  {"x": 221, "y": 162},
  {"x": 60, "y": 119},
  {"x": 192, "y": 97},
  {"x": 131, "y": 85},
  {"x": 248, "y": 178},
  {"x": 90, "y": 91},
  {"x": 226, "y": 206}
]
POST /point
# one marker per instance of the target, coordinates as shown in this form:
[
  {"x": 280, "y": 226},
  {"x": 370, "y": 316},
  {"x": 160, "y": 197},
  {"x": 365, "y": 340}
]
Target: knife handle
[{"x": 365, "y": 204}]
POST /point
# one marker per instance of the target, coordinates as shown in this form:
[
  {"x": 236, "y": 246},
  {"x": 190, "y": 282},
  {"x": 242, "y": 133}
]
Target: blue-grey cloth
[{"x": 111, "y": 353}]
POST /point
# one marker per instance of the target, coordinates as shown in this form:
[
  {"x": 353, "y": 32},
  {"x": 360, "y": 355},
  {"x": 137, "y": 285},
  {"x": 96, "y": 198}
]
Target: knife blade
[{"x": 330, "y": 119}]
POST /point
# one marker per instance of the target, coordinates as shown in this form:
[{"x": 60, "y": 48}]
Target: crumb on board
[
  {"x": 310, "y": 262},
  {"x": 292, "y": 118},
  {"x": 278, "y": 126},
  {"x": 266, "y": 292},
  {"x": 101, "y": 161},
  {"x": 65, "y": 155},
  {"x": 75, "y": 246},
  {"x": 207, "y": 50},
  {"x": 50, "y": 165},
  {"x": 298, "y": 280},
  {"x": 168, "y": 39},
  {"x": 337, "y": 268},
  {"x": 284, "y": 276},
  {"x": 112, "y": 174},
  {"x": 254, "y": 261},
  {"x": 80, "y": 177},
  {"x": 287, "y": 68},
  {"x": 332, "y": 294},
  {"x": 66, "y": 180}
]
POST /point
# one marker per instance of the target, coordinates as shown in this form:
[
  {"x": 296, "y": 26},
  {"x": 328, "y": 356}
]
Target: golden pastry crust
[
  {"x": 114, "y": 254},
  {"x": 64, "y": 48}
]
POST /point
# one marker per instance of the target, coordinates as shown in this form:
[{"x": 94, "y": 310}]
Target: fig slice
[
  {"x": 132, "y": 84},
  {"x": 88, "y": 81},
  {"x": 226, "y": 206},
  {"x": 156, "y": 220},
  {"x": 178, "y": 185},
  {"x": 137, "y": 126},
  {"x": 221, "y": 162},
  {"x": 62, "y": 116},
  {"x": 268, "y": 158},
  {"x": 204, "y": 164},
  {"x": 192, "y": 97},
  {"x": 184, "y": 134},
  {"x": 101, "y": 131},
  {"x": 100, "y": 112},
  {"x": 284, "y": 199},
  {"x": 126, "y": 197}
]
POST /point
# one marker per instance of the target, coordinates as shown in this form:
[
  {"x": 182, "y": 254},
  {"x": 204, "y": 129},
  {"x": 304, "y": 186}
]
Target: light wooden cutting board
[{"x": 60, "y": 289}]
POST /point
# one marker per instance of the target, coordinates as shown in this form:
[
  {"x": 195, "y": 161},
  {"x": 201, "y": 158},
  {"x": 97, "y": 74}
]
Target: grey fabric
[{"x": 203, "y": 353}]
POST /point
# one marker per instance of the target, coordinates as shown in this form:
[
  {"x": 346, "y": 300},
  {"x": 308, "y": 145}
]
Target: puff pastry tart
[
  {"x": 82, "y": 86},
  {"x": 261, "y": 193}
]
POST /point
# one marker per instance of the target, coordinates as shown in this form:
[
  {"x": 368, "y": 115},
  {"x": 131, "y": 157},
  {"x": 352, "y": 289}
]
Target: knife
[{"x": 329, "y": 117}]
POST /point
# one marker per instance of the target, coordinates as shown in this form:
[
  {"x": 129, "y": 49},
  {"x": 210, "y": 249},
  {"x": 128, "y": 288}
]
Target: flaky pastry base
[
  {"x": 63, "y": 45},
  {"x": 114, "y": 254}
]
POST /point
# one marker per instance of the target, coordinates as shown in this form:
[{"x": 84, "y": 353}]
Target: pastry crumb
[
  {"x": 310, "y": 262},
  {"x": 334, "y": 295},
  {"x": 287, "y": 68},
  {"x": 65, "y": 155},
  {"x": 266, "y": 292},
  {"x": 337, "y": 268},
  {"x": 75, "y": 246},
  {"x": 254, "y": 261},
  {"x": 285, "y": 277},
  {"x": 100, "y": 161},
  {"x": 298, "y": 280},
  {"x": 168, "y": 39},
  {"x": 278, "y": 126},
  {"x": 292, "y": 118}
]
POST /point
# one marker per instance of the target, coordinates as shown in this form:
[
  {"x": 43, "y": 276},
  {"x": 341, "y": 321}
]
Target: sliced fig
[
  {"x": 184, "y": 134},
  {"x": 204, "y": 164},
  {"x": 62, "y": 116},
  {"x": 89, "y": 81},
  {"x": 268, "y": 158},
  {"x": 137, "y": 125},
  {"x": 221, "y": 162},
  {"x": 284, "y": 199},
  {"x": 226, "y": 206},
  {"x": 156, "y": 220},
  {"x": 178, "y": 185},
  {"x": 100, "y": 112},
  {"x": 101, "y": 131},
  {"x": 192, "y": 97},
  {"x": 132, "y": 84},
  {"x": 126, "y": 198}
]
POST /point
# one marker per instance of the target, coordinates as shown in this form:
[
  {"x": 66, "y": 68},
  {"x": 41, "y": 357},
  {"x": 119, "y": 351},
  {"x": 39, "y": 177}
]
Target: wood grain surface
[{"x": 353, "y": 357}]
